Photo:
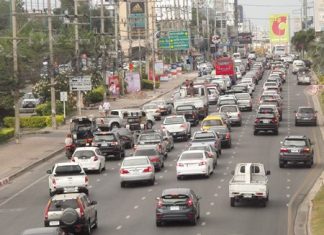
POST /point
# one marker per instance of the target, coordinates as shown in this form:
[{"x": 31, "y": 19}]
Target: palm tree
[{"x": 316, "y": 52}]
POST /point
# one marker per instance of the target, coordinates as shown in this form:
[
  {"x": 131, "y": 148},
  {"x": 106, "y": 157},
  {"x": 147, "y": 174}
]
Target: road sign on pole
[
  {"x": 63, "y": 96},
  {"x": 175, "y": 40},
  {"x": 81, "y": 83}
]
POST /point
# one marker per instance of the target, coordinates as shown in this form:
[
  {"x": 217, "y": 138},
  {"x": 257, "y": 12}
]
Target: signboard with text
[
  {"x": 80, "y": 83},
  {"x": 279, "y": 28},
  {"x": 175, "y": 40}
]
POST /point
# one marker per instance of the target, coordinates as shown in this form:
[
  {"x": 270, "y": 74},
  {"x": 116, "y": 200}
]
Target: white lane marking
[
  {"x": 227, "y": 168},
  {"x": 165, "y": 171},
  {"x": 288, "y": 173},
  {"x": 288, "y": 195},
  {"x": 143, "y": 198},
  {"x": 171, "y": 165},
  {"x": 234, "y": 153},
  {"x": 127, "y": 216},
  {"x": 119, "y": 227},
  {"x": 105, "y": 174},
  {"x": 225, "y": 173},
  {"x": 113, "y": 168},
  {"x": 12, "y": 210},
  {"x": 219, "y": 187},
  {"x": 232, "y": 156},
  {"x": 150, "y": 190},
  {"x": 203, "y": 224},
  {"x": 288, "y": 180},
  {"x": 175, "y": 160},
  {"x": 136, "y": 207},
  {"x": 208, "y": 213},
  {"x": 98, "y": 180},
  {"x": 212, "y": 203},
  {"x": 230, "y": 162},
  {"x": 119, "y": 164},
  {"x": 288, "y": 187},
  {"x": 156, "y": 183},
  {"x": 22, "y": 190},
  {"x": 216, "y": 195},
  {"x": 161, "y": 176}
]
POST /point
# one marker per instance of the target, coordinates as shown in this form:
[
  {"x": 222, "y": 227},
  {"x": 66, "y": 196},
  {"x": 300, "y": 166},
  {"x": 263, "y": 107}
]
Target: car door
[
  {"x": 210, "y": 161},
  {"x": 195, "y": 200},
  {"x": 88, "y": 209}
]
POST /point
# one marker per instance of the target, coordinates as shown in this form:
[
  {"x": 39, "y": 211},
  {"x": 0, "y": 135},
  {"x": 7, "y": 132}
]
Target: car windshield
[
  {"x": 227, "y": 101},
  {"x": 29, "y": 96},
  {"x": 202, "y": 147},
  {"x": 173, "y": 120},
  {"x": 191, "y": 156},
  {"x": 296, "y": 142},
  {"x": 145, "y": 152},
  {"x": 229, "y": 109},
  {"x": 242, "y": 96},
  {"x": 84, "y": 154},
  {"x": 135, "y": 161},
  {"x": 68, "y": 170},
  {"x": 204, "y": 135},
  {"x": 60, "y": 205},
  {"x": 306, "y": 110},
  {"x": 149, "y": 137},
  {"x": 185, "y": 107},
  {"x": 122, "y": 131},
  {"x": 174, "y": 198},
  {"x": 214, "y": 122},
  {"x": 99, "y": 138},
  {"x": 220, "y": 129},
  {"x": 266, "y": 110}
]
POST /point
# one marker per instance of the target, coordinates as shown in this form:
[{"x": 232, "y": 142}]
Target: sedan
[
  {"x": 212, "y": 152},
  {"x": 233, "y": 112},
  {"x": 305, "y": 115},
  {"x": 177, "y": 204},
  {"x": 244, "y": 101},
  {"x": 156, "y": 158},
  {"x": 136, "y": 169},
  {"x": 178, "y": 126},
  {"x": 152, "y": 109},
  {"x": 126, "y": 135},
  {"x": 194, "y": 162},
  {"x": 89, "y": 158}
]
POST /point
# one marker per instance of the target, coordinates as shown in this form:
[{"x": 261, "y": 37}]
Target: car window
[
  {"x": 295, "y": 143},
  {"x": 60, "y": 205},
  {"x": 68, "y": 170},
  {"x": 149, "y": 137},
  {"x": 173, "y": 120},
  {"x": 174, "y": 198},
  {"x": 84, "y": 154},
  {"x": 215, "y": 122},
  {"x": 135, "y": 162},
  {"x": 204, "y": 135},
  {"x": 108, "y": 137},
  {"x": 202, "y": 147},
  {"x": 227, "y": 101},
  {"x": 185, "y": 107},
  {"x": 191, "y": 156},
  {"x": 145, "y": 152},
  {"x": 227, "y": 109},
  {"x": 306, "y": 110},
  {"x": 266, "y": 110},
  {"x": 242, "y": 96}
]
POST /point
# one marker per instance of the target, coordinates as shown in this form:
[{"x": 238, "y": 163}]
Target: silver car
[
  {"x": 178, "y": 126},
  {"x": 136, "y": 169},
  {"x": 233, "y": 112},
  {"x": 244, "y": 101}
]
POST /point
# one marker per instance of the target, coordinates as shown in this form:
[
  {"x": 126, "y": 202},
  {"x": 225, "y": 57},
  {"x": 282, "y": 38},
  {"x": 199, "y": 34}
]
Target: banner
[
  {"x": 279, "y": 28},
  {"x": 319, "y": 15},
  {"x": 133, "y": 82}
]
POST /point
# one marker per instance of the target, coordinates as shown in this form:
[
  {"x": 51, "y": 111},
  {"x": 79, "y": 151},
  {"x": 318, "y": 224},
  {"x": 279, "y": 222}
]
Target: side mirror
[
  {"x": 94, "y": 203},
  {"x": 232, "y": 172},
  {"x": 268, "y": 172},
  {"x": 49, "y": 171}
]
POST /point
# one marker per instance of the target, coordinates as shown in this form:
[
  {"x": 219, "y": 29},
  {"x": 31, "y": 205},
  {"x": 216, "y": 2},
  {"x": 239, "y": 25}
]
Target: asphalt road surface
[{"x": 124, "y": 211}]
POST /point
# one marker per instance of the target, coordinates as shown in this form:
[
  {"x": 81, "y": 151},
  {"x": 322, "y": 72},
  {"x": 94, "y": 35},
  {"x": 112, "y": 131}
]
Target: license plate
[
  {"x": 104, "y": 144},
  {"x": 174, "y": 208},
  {"x": 69, "y": 190},
  {"x": 294, "y": 150},
  {"x": 248, "y": 195},
  {"x": 266, "y": 121},
  {"x": 54, "y": 223}
]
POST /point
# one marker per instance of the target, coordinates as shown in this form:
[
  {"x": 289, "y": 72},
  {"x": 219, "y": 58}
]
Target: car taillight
[
  {"x": 80, "y": 207},
  {"x": 306, "y": 150},
  {"x": 202, "y": 163},
  {"x": 148, "y": 169},
  {"x": 95, "y": 158},
  {"x": 257, "y": 120},
  {"x": 54, "y": 182},
  {"x": 283, "y": 150},
  {"x": 159, "y": 204},
  {"x": 123, "y": 171},
  {"x": 228, "y": 135},
  {"x": 189, "y": 202},
  {"x": 274, "y": 120},
  {"x": 259, "y": 194},
  {"x": 180, "y": 164},
  {"x": 155, "y": 159},
  {"x": 89, "y": 140},
  {"x": 184, "y": 126},
  {"x": 72, "y": 159},
  {"x": 86, "y": 179},
  {"x": 114, "y": 143},
  {"x": 46, "y": 210}
]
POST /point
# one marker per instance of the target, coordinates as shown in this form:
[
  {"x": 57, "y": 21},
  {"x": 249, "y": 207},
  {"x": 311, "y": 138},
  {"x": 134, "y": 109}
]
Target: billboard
[
  {"x": 279, "y": 28},
  {"x": 137, "y": 18},
  {"x": 319, "y": 15}
]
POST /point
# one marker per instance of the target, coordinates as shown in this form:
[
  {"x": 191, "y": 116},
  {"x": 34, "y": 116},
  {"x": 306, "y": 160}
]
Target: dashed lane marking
[
  {"x": 143, "y": 198},
  {"x": 222, "y": 180},
  {"x": 150, "y": 190},
  {"x": 208, "y": 213},
  {"x": 216, "y": 195},
  {"x": 98, "y": 180},
  {"x": 212, "y": 203},
  {"x": 219, "y": 187},
  {"x": 288, "y": 195},
  {"x": 203, "y": 224},
  {"x": 287, "y": 187},
  {"x": 136, "y": 207},
  {"x": 127, "y": 216},
  {"x": 119, "y": 227}
]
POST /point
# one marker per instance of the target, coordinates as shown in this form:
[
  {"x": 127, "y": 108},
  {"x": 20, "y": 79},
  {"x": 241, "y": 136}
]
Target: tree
[
  {"x": 302, "y": 40},
  {"x": 316, "y": 52}
]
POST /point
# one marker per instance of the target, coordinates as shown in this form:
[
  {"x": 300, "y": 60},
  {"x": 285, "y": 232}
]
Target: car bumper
[
  {"x": 306, "y": 121},
  {"x": 178, "y": 135},
  {"x": 90, "y": 166},
  {"x": 235, "y": 121},
  {"x": 183, "y": 215},
  {"x": 295, "y": 158},
  {"x": 192, "y": 171},
  {"x": 245, "y": 107},
  {"x": 77, "y": 189},
  {"x": 110, "y": 151},
  {"x": 137, "y": 178}
]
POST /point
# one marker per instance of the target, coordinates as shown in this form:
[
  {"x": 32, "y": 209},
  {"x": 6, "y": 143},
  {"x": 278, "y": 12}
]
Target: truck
[
  {"x": 225, "y": 66},
  {"x": 67, "y": 177},
  {"x": 250, "y": 183}
]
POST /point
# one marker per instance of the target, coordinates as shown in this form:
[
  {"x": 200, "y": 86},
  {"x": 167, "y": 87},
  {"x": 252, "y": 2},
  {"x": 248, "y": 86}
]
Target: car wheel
[
  {"x": 122, "y": 184},
  {"x": 255, "y": 132},
  {"x": 104, "y": 168},
  {"x": 158, "y": 223},
  {"x": 263, "y": 203},
  {"x": 219, "y": 152},
  {"x": 309, "y": 164},
  {"x": 95, "y": 224},
  {"x": 193, "y": 222},
  {"x": 315, "y": 124},
  {"x": 152, "y": 181},
  {"x": 232, "y": 202},
  {"x": 51, "y": 193},
  {"x": 87, "y": 229},
  {"x": 276, "y": 132},
  {"x": 179, "y": 177},
  {"x": 229, "y": 145},
  {"x": 240, "y": 123},
  {"x": 281, "y": 164},
  {"x": 296, "y": 123}
]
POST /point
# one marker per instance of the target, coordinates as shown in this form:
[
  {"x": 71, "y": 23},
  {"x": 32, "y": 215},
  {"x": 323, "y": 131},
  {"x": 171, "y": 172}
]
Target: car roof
[
  {"x": 194, "y": 144},
  {"x": 213, "y": 117},
  {"x": 66, "y": 196},
  {"x": 41, "y": 231},
  {"x": 135, "y": 157},
  {"x": 67, "y": 164},
  {"x": 295, "y": 137},
  {"x": 146, "y": 146},
  {"x": 185, "y": 191},
  {"x": 86, "y": 148}
]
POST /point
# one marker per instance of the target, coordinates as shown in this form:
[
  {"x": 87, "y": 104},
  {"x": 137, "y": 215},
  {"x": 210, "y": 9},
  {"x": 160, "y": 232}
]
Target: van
[{"x": 297, "y": 65}]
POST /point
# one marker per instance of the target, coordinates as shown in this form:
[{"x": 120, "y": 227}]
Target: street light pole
[
  {"x": 77, "y": 59},
  {"x": 102, "y": 39}
]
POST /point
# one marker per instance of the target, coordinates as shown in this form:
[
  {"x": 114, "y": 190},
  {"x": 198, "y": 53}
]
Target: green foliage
[
  {"x": 95, "y": 96},
  {"x": 6, "y": 133},
  {"x": 33, "y": 121},
  {"x": 316, "y": 52},
  {"x": 45, "y": 108},
  {"x": 148, "y": 84},
  {"x": 302, "y": 39}
]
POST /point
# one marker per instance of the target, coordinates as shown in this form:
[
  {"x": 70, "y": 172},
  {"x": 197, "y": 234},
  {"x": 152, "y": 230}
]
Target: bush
[
  {"x": 33, "y": 121},
  {"x": 95, "y": 96},
  {"x": 45, "y": 109},
  {"x": 148, "y": 84},
  {"x": 6, "y": 133}
]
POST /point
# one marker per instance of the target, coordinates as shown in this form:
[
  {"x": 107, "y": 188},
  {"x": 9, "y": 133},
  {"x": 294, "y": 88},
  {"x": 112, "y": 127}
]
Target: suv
[
  {"x": 155, "y": 138},
  {"x": 30, "y": 101},
  {"x": 73, "y": 213},
  {"x": 178, "y": 126},
  {"x": 296, "y": 149},
  {"x": 190, "y": 112},
  {"x": 109, "y": 143},
  {"x": 305, "y": 115},
  {"x": 266, "y": 122}
]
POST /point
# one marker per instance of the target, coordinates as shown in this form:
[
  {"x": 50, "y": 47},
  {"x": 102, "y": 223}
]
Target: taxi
[{"x": 211, "y": 121}]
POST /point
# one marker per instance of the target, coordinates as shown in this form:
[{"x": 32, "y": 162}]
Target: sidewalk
[{"x": 42, "y": 145}]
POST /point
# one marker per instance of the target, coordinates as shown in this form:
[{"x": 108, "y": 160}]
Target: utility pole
[
  {"x": 153, "y": 48},
  {"x": 77, "y": 49},
  {"x": 197, "y": 17},
  {"x": 103, "y": 47},
  {"x": 305, "y": 14},
  {"x": 208, "y": 32},
  {"x": 51, "y": 64},
  {"x": 15, "y": 69}
]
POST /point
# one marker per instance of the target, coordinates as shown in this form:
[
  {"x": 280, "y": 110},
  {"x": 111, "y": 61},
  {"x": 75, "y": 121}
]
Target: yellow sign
[{"x": 279, "y": 28}]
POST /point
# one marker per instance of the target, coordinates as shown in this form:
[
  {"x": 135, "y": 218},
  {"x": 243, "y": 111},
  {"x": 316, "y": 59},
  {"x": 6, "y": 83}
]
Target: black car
[
  {"x": 305, "y": 115},
  {"x": 156, "y": 158},
  {"x": 224, "y": 134},
  {"x": 82, "y": 129},
  {"x": 177, "y": 204},
  {"x": 296, "y": 149},
  {"x": 110, "y": 144},
  {"x": 190, "y": 112},
  {"x": 126, "y": 135},
  {"x": 266, "y": 122}
]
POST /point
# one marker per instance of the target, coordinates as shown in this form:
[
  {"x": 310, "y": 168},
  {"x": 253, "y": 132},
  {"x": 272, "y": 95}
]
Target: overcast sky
[{"x": 260, "y": 11}]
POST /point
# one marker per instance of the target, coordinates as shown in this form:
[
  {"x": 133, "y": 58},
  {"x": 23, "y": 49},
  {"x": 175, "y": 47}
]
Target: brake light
[
  {"x": 123, "y": 171},
  {"x": 202, "y": 163},
  {"x": 47, "y": 209},
  {"x": 180, "y": 164},
  {"x": 159, "y": 204},
  {"x": 259, "y": 194},
  {"x": 274, "y": 120},
  {"x": 148, "y": 169},
  {"x": 114, "y": 143},
  {"x": 228, "y": 135},
  {"x": 86, "y": 179},
  {"x": 73, "y": 159},
  {"x": 306, "y": 150},
  {"x": 80, "y": 207},
  {"x": 257, "y": 120},
  {"x": 189, "y": 202},
  {"x": 95, "y": 158},
  {"x": 283, "y": 150}
]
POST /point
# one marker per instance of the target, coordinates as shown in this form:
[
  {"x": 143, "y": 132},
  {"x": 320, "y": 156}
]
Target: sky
[{"x": 260, "y": 11}]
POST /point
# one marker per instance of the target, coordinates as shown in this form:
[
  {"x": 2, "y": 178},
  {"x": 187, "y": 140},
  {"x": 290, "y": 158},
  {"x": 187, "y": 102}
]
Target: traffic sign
[
  {"x": 63, "y": 96},
  {"x": 81, "y": 83},
  {"x": 175, "y": 40}
]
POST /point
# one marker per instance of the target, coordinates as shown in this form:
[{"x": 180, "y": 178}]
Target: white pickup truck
[
  {"x": 249, "y": 182},
  {"x": 67, "y": 177}
]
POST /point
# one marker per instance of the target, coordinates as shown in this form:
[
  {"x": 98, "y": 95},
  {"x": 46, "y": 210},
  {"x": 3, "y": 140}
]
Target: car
[
  {"x": 126, "y": 136},
  {"x": 152, "y": 109},
  {"x": 43, "y": 231},
  {"x": 240, "y": 88},
  {"x": 305, "y": 115},
  {"x": 190, "y": 112},
  {"x": 212, "y": 95},
  {"x": 248, "y": 81},
  {"x": 90, "y": 159},
  {"x": 194, "y": 162},
  {"x": 156, "y": 158},
  {"x": 73, "y": 213},
  {"x": 109, "y": 143},
  {"x": 164, "y": 106},
  {"x": 30, "y": 101},
  {"x": 207, "y": 137},
  {"x": 233, "y": 113},
  {"x": 178, "y": 126},
  {"x": 252, "y": 56},
  {"x": 168, "y": 138},
  {"x": 224, "y": 134},
  {"x": 153, "y": 138},
  {"x": 269, "y": 108},
  {"x": 226, "y": 99},
  {"x": 273, "y": 102},
  {"x": 303, "y": 78},
  {"x": 208, "y": 148},
  {"x": 244, "y": 101},
  {"x": 136, "y": 169},
  {"x": 225, "y": 118},
  {"x": 296, "y": 149},
  {"x": 221, "y": 83},
  {"x": 298, "y": 65},
  {"x": 211, "y": 121},
  {"x": 177, "y": 204},
  {"x": 266, "y": 122}
]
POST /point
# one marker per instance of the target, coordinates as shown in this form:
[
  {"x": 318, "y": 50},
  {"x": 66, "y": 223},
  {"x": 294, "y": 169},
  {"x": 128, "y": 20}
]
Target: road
[{"x": 131, "y": 210}]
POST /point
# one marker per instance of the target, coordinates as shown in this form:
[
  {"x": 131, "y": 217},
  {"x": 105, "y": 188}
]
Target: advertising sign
[
  {"x": 133, "y": 82},
  {"x": 159, "y": 68},
  {"x": 112, "y": 78},
  {"x": 279, "y": 28},
  {"x": 319, "y": 15},
  {"x": 137, "y": 18},
  {"x": 81, "y": 83}
]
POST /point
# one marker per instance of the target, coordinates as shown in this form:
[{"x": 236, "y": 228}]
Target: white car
[
  {"x": 233, "y": 113},
  {"x": 152, "y": 109},
  {"x": 195, "y": 162},
  {"x": 238, "y": 72},
  {"x": 89, "y": 158},
  {"x": 30, "y": 101},
  {"x": 221, "y": 82},
  {"x": 244, "y": 101},
  {"x": 178, "y": 126}
]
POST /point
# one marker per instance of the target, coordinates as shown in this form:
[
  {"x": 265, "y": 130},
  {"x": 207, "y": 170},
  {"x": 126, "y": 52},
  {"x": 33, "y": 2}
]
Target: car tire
[
  {"x": 276, "y": 132},
  {"x": 232, "y": 202},
  {"x": 255, "y": 133},
  {"x": 152, "y": 181},
  {"x": 87, "y": 229},
  {"x": 309, "y": 164},
  {"x": 69, "y": 217},
  {"x": 158, "y": 223},
  {"x": 229, "y": 145},
  {"x": 263, "y": 203},
  {"x": 122, "y": 184},
  {"x": 193, "y": 222},
  {"x": 281, "y": 164},
  {"x": 99, "y": 170},
  {"x": 296, "y": 123},
  {"x": 95, "y": 224},
  {"x": 179, "y": 177}
]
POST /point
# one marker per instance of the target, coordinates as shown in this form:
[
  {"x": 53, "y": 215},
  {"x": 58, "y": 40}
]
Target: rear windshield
[
  {"x": 242, "y": 96},
  {"x": 173, "y": 120},
  {"x": 306, "y": 110},
  {"x": 204, "y": 135},
  {"x": 265, "y": 115},
  {"x": 60, "y": 205},
  {"x": 212, "y": 123},
  {"x": 270, "y": 84},
  {"x": 221, "y": 130},
  {"x": 227, "y": 101},
  {"x": 191, "y": 156},
  {"x": 188, "y": 107},
  {"x": 149, "y": 137},
  {"x": 202, "y": 147},
  {"x": 174, "y": 198},
  {"x": 295, "y": 143},
  {"x": 266, "y": 110},
  {"x": 135, "y": 162},
  {"x": 84, "y": 154},
  {"x": 68, "y": 170},
  {"x": 98, "y": 138},
  {"x": 227, "y": 109},
  {"x": 145, "y": 152}
]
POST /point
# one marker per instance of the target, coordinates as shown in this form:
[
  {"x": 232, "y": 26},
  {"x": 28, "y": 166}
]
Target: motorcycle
[{"x": 69, "y": 150}]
